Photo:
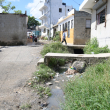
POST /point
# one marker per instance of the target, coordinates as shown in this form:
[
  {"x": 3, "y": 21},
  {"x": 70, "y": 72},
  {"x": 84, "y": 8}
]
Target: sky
[{"x": 32, "y": 6}]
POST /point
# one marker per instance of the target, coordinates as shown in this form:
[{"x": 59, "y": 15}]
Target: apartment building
[{"x": 51, "y": 11}]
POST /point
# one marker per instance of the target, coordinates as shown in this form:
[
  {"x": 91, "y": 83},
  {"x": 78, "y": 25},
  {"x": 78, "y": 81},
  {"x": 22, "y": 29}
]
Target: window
[
  {"x": 44, "y": 30},
  {"x": 88, "y": 23},
  {"x": 101, "y": 17},
  {"x": 68, "y": 10},
  {"x": 60, "y": 9},
  {"x": 71, "y": 24},
  {"x": 63, "y": 27},
  {"x": 66, "y": 26}
]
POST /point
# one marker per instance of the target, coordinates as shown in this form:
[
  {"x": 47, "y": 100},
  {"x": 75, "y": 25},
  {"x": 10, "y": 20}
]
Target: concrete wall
[
  {"x": 13, "y": 28},
  {"x": 100, "y": 31},
  {"x": 81, "y": 33}
]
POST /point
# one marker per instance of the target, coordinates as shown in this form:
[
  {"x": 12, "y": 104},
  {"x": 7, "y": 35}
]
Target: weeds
[
  {"x": 44, "y": 74},
  {"x": 25, "y": 107},
  {"x": 90, "y": 92},
  {"x": 93, "y": 46},
  {"x": 55, "y": 47}
]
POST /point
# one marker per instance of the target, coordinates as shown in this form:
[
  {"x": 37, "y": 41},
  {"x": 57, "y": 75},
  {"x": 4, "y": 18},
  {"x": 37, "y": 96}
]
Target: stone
[
  {"x": 49, "y": 83},
  {"x": 79, "y": 65},
  {"x": 70, "y": 71}
]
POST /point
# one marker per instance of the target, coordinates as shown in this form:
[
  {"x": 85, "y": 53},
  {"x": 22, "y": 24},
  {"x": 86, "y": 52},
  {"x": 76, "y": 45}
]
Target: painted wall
[
  {"x": 100, "y": 31},
  {"x": 81, "y": 33},
  {"x": 13, "y": 28},
  {"x": 70, "y": 40}
]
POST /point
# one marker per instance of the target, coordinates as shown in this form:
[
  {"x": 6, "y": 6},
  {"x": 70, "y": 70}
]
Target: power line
[
  {"x": 36, "y": 6},
  {"x": 76, "y": 2}
]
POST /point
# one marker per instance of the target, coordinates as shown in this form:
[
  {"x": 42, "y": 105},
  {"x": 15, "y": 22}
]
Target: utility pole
[{"x": 50, "y": 20}]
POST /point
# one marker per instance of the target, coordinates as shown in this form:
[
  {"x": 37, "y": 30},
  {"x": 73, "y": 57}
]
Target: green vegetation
[
  {"x": 91, "y": 91},
  {"x": 44, "y": 74},
  {"x": 32, "y": 22},
  {"x": 25, "y": 107},
  {"x": 18, "y": 11},
  {"x": 57, "y": 37},
  {"x": 55, "y": 47},
  {"x": 42, "y": 91},
  {"x": 93, "y": 46}
]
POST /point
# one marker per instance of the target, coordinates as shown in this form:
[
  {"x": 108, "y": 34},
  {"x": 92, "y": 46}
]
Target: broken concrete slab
[{"x": 41, "y": 61}]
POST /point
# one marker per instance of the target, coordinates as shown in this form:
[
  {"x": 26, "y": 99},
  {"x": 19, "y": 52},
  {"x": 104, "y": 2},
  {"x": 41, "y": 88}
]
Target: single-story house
[
  {"x": 100, "y": 23},
  {"x": 77, "y": 27}
]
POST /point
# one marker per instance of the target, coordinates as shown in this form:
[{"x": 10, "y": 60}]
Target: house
[
  {"x": 77, "y": 27},
  {"x": 51, "y": 12},
  {"x": 100, "y": 23},
  {"x": 13, "y": 28}
]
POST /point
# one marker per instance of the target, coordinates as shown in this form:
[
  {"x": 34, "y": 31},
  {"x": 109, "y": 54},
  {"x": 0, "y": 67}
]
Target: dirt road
[{"x": 17, "y": 64}]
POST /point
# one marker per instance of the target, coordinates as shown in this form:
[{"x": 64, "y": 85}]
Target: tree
[
  {"x": 32, "y": 22},
  {"x": 7, "y": 8},
  {"x": 18, "y": 11}
]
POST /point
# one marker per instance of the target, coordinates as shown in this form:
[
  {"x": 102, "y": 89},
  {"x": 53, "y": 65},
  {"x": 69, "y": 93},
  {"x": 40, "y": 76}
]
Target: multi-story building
[{"x": 52, "y": 10}]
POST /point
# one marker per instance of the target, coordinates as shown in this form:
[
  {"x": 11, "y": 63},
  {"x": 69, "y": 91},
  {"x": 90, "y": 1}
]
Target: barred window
[{"x": 101, "y": 17}]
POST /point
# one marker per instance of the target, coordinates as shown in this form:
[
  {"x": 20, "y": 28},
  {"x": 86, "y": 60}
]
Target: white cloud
[
  {"x": 1, "y": 10},
  {"x": 34, "y": 8},
  {"x": 13, "y": 0}
]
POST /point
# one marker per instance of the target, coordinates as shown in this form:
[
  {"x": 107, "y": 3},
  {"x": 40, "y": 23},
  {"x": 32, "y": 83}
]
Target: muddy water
[{"x": 57, "y": 90}]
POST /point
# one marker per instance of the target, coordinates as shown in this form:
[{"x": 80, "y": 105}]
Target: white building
[
  {"x": 51, "y": 14},
  {"x": 100, "y": 19}
]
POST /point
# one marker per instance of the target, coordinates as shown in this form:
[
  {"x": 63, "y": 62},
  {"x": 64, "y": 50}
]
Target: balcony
[
  {"x": 43, "y": 26},
  {"x": 43, "y": 16},
  {"x": 43, "y": 7}
]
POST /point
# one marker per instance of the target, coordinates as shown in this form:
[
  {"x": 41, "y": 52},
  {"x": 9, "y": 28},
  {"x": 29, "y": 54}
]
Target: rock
[
  {"x": 49, "y": 83},
  {"x": 79, "y": 65},
  {"x": 70, "y": 71},
  {"x": 43, "y": 105}
]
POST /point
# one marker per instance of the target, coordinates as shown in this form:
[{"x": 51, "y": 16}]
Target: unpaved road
[{"x": 17, "y": 64}]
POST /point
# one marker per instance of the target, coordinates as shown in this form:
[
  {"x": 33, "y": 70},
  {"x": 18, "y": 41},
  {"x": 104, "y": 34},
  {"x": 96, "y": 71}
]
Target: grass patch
[
  {"x": 26, "y": 106},
  {"x": 44, "y": 74},
  {"x": 40, "y": 78},
  {"x": 93, "y": 46},
  {"x": 55, "y": 47},
  {"x": 90, "y": 92}
]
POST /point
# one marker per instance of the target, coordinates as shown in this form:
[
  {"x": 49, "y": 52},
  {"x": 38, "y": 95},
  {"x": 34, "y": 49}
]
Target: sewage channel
[{"x": 57, "y": 89}]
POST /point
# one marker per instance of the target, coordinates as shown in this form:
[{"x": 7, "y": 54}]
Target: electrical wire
[{"x": 76, "y": 2}]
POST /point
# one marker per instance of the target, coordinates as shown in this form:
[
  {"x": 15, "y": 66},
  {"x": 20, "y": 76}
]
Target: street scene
[{"x": 54, "y": 55}]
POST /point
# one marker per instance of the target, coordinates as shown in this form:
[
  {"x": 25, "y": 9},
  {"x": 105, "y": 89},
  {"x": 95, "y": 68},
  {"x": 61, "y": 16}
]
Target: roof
[
  {"x": 88, "y": 5},
  {"x": 65, "y": 18}
]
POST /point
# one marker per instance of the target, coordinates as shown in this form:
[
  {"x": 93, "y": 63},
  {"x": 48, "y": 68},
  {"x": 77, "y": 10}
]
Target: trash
[
  {"x": 70, "y": 71},
  {"x": 57, "y": 75},
  {"x": 49, "y": 83},
  {"x": 29, "y": 84},
  {"x": 63, "y": 80},
  {"x": 70, "y": 76}
]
